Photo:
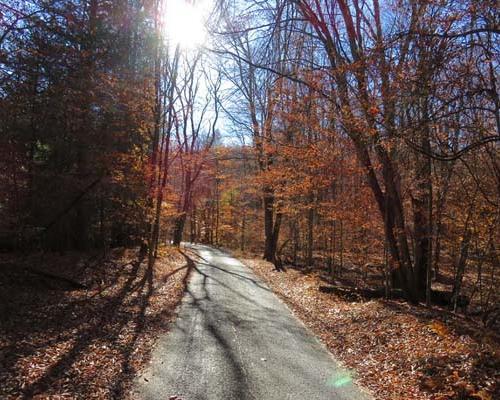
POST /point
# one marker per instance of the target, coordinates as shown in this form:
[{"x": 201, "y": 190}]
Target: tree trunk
[
  {"x": 422, "y": 203},
  {"x": 462, "y": 261},
  {"x": 179, "y": 229},
  {"x": 82, "y": 209},
  {"x": 296, "y": 239},
  {"x": 269, "y": 248},
  {"x": 243, "y": 226},
  {"x": 341, "y": 234},
  {"x": 192, "y": 225},
  {"x": 438, "y": 227},
  {"x": 276, "y": 232},
  {"x": 391, "y": 209},
  {"x": 310, "y": 233}
]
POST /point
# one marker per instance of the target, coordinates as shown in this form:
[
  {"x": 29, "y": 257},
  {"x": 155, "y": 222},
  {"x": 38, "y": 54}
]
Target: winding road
[{"x": 234, "y": 339}]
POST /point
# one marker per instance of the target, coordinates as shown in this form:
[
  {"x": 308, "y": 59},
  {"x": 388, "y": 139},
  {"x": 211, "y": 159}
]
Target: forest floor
[
  {"x": 58, "y": 341},
  {"x": 399, "y": 351}
]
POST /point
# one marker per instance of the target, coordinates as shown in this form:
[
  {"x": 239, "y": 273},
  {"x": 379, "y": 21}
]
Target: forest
[{"x": 351, "y": 145}]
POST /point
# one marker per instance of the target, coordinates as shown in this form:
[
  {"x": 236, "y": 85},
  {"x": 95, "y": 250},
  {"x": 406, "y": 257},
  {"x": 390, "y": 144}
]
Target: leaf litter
[
  {"x": 57, "y": 343},
  {"x": 399, "y": 351}
]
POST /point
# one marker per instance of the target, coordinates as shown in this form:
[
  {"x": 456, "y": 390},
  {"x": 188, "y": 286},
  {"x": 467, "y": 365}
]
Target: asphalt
[{"x": 234, "y": 339}]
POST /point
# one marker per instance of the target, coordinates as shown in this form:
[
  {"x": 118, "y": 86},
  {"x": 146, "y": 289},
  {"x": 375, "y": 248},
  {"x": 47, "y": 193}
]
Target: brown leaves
[
  {"x": 86, "y": 344},
  {"x": 399, "y": 351},
  {"x": 439, "y": 328}
]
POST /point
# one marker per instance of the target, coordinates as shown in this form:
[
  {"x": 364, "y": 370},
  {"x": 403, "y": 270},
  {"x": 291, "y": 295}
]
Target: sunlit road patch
[{"x": 233, "y": 339}]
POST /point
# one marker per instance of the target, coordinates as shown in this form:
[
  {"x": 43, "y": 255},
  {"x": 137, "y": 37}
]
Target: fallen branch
[
  {"x": 438, "y": 297},
  {"x": 355, "y": 293}
]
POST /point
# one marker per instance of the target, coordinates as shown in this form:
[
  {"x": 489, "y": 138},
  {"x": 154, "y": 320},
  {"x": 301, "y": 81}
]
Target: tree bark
[
  {"x": 462, "y": 261},
  {"x": 310, "y": 233},
  {"x": 179, "y": 229}
]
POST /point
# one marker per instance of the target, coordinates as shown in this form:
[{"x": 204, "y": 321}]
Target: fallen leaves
[
  {"x": 399, "y": 351},
  {"x": 439, "y": 328},
  {"x": 85, "y": 344}
]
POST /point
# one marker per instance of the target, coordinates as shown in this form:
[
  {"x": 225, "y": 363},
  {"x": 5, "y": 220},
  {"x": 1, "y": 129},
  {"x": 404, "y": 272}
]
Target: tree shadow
[
  {"x": 203, "y": 303},
  {"x": 444, "y": 372},
  {"x": 108, "y": 319}
]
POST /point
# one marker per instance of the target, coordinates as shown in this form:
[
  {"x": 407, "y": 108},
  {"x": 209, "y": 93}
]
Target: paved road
[{"x": 235, "y": 340}]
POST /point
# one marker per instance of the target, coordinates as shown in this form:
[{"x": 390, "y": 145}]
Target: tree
[
  {"x": 74, "y": 122},
  {"x": 195, "y": 133}
]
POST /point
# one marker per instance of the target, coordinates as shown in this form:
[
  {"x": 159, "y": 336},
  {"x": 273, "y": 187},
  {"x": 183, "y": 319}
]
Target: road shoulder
[{"x": 390, "y": 344}]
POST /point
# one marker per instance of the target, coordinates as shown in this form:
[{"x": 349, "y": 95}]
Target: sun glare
[{"x": 185, "y": 22}]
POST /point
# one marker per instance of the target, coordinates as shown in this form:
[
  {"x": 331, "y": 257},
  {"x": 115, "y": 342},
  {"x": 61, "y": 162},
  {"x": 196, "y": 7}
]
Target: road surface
[{"x": 234, "y": 339}]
